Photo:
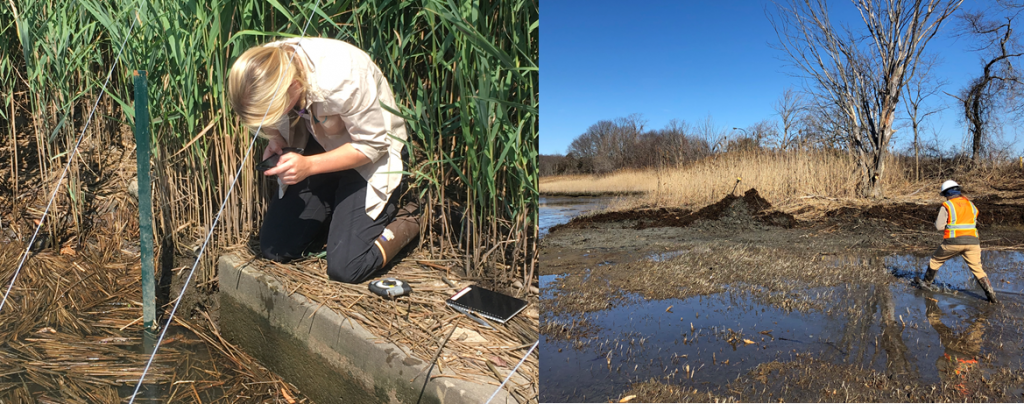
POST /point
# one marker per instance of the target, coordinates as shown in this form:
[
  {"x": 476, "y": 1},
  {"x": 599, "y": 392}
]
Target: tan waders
[{"x": 971, "y": 254}]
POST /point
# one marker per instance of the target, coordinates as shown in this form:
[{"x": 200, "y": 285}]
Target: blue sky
[{"x": 602, "y": 60}]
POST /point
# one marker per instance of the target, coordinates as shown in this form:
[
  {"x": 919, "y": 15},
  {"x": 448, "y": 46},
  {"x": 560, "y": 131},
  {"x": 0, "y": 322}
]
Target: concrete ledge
[{"x": 326, "y": 355}]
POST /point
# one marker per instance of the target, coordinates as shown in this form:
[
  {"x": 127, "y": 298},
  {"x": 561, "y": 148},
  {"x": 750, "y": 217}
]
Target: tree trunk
[
  {"x": 975, "y": 124},
  {"x": 873, "y": 184},
  {"x": 872, "y": 167},
  {"x": 976, "y": 145},
  {"x": 917, "y": 162},
  {"x": 917, "y": 155}
]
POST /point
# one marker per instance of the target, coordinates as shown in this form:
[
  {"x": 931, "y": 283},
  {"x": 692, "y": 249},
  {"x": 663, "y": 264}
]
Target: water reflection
[
  {"x": 665, "y": 256},
  {"x": 1004, "y": 268},
  {"x": 891, "y": 328}
]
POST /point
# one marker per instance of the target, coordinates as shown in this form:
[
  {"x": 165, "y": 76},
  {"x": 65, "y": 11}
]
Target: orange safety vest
[{"x": 961, "y": 218}]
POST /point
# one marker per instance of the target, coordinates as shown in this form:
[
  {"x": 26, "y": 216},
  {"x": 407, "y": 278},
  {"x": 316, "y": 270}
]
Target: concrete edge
[{"x": 340, "y": 341}]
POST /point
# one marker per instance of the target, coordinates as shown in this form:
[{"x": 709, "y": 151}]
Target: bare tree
[
  {"x": 999, "y": 83},
  {"x": 862, "y": 72},
  {"x": 920, "y": 88},
  {"x": 789, "y": 107},
  {"x": 626, "y": 136},
  {"x": 715, "y": 136},
  {"x": 588, "y": 148},
  {"x": 822, "y": 126},
  {"x": 763, "y": 133},
  {"x": 609, "y": 145},
  {"x": 681, "y": 142}
]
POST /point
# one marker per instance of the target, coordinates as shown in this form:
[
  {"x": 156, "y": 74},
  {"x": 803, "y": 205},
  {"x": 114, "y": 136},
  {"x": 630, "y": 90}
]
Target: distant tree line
[
  {"x": 863, "y": 84},
  {"x": 625, "y": 143}
]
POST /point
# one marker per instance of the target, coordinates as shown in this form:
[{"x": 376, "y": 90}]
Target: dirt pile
[
  {"x": 749, "y": 210},
  {"x": 922, "y": 216}
]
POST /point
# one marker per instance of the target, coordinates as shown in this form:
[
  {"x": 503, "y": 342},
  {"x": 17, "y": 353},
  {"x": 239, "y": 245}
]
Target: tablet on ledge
[{"x": 487, "y": 303}]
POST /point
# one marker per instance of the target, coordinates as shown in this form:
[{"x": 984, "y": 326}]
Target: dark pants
[{"x": 293, "y": 222}]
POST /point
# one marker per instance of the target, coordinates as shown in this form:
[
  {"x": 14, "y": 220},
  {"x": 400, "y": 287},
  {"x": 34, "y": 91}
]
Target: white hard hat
[{"x": 947, "y": 185}]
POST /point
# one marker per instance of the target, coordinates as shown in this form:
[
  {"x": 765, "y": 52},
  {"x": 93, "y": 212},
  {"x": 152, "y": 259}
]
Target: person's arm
[
  {"x": 356, "y": 100},
  {"x": 940, "y": 221}
]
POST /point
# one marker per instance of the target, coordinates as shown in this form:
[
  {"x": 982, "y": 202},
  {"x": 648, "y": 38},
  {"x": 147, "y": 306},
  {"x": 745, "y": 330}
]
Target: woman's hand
[
  {"x": 275, "y": 146},
  {"x": 292, "y": 168}
]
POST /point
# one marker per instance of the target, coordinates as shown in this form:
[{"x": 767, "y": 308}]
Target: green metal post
[{"x": 142, "y": 150}]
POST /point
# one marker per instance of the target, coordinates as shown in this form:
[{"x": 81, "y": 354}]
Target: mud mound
[
  {"x": 749, "y": 209},
  {"x": 669, "y": 217},
  {"x": 914, "y": 216}
]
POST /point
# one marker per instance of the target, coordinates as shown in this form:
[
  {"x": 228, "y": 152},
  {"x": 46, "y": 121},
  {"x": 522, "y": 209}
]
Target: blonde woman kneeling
[{"x": 348, "y": 174}]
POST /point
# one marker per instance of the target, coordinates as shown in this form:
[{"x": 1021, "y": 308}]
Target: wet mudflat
[{"x": 739, "y": 306}]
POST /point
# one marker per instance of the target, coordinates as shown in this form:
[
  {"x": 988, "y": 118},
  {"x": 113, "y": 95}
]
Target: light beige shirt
[
  {"x": 345, "y": 91},
  {"x": 940, "y": 221}
]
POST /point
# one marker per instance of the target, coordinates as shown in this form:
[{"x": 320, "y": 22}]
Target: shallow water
[
  {"x": 195, "y": 353},
  {"x": 546, "y": 290},
  {"x": 192, "y": 356},
  {"x": 72, "y": 335},
  {"x": 702, "y": 341},
  {"x": 556, "y": 210},
  {"x": 665, "y": 256},
  {"x": 1004, "y": 269}
]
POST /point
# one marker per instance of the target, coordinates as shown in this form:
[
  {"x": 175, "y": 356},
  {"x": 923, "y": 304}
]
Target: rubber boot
[
  {"x": 398, "y": 233},
  {"x": 987, "y": 287},
  {"x": 926, "y": 281}
]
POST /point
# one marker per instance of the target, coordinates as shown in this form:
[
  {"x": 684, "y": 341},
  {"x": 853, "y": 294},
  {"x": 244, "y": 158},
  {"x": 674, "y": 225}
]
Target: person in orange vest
[{"x": 958, "y": 218}]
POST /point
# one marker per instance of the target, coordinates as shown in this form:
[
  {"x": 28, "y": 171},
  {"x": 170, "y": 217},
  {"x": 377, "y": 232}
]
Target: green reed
[{"x": 465, "y": 75}]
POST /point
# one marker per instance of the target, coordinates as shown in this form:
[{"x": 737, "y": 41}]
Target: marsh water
[
  {"x": 705, "y": 342},
  {"x": 555, "y": 210}
]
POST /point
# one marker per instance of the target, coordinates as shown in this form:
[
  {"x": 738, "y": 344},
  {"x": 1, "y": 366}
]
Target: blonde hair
[{"x": 254, "y": 79}]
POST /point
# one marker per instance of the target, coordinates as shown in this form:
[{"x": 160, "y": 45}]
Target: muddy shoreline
[
  {"x": 609, "y": 277},
  {"x": 590, "y": 194}
]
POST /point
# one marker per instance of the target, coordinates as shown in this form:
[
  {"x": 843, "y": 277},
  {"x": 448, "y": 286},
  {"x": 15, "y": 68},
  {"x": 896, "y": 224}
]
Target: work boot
[
  {"x": 399, "y": 232},
  {"x": 926, "y": 281},
  {"x": 987, "y": 287}
]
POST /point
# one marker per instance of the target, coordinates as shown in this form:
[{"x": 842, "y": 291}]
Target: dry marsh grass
[
  {"x": 786, "y": 179},
  {"x": 623, "y": 182},
  {"x": 473, "y": 129}
]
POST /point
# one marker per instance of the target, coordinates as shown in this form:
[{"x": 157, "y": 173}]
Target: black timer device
[
  {"x": 271, "y": 162},
  {"x": 390, "y": 288}
]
